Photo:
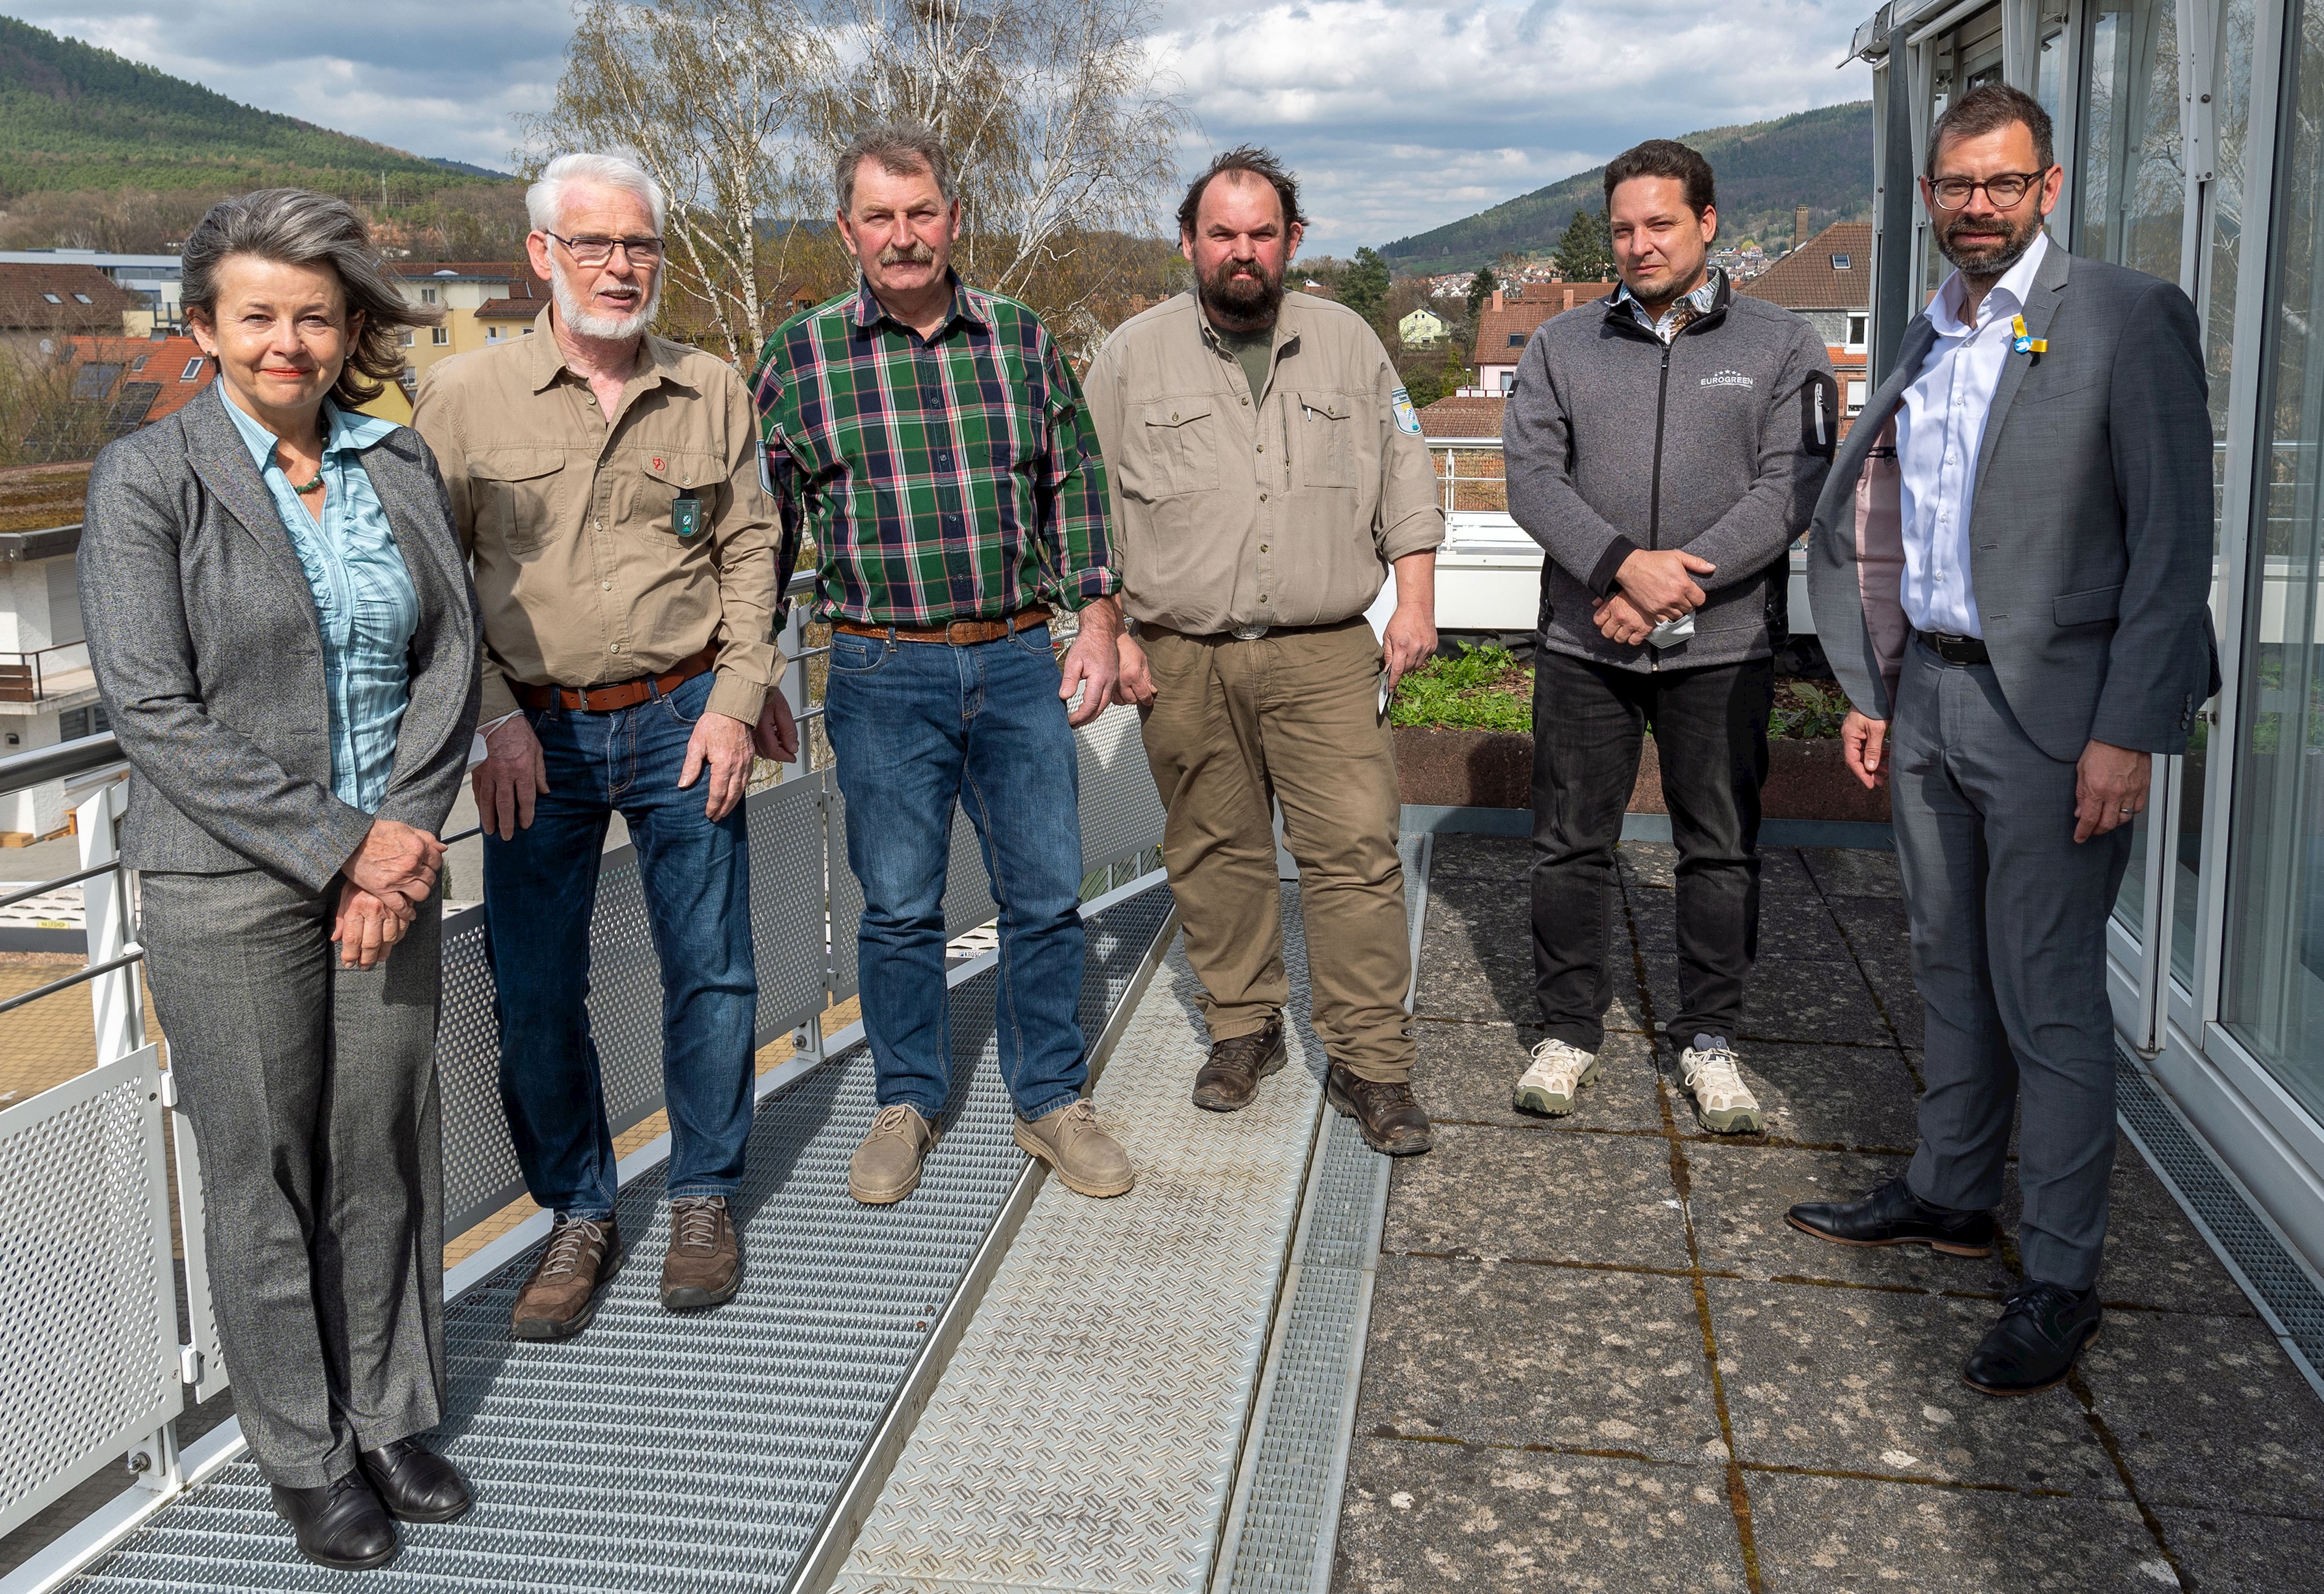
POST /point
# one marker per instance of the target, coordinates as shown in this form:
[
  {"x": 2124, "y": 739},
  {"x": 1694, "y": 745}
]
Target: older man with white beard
[{"x": 605, "y": 484}]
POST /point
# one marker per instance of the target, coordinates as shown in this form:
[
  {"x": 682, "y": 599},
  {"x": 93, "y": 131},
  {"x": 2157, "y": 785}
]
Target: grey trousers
[
  {"x": 312, "y": 1090},
  {"x": 2009, "y": 927}
]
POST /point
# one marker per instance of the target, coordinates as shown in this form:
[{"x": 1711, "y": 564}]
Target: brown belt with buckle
[
  {"x": 621, "y": 694},
  {"x": 960, "y": 633}
]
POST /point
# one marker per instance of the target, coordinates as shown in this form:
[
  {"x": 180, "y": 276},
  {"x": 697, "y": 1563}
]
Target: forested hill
[
  {"x": 73, "y": 117},
  {"x": 1819, "y": 159}
]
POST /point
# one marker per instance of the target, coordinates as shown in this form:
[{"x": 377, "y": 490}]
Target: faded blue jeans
[
  {"x": 540, "y": 892},
  {"x": 916, "y": 726}
]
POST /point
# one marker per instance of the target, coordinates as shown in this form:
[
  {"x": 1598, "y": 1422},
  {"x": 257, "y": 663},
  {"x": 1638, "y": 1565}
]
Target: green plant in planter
[
  {"x": 1807, "y": 712},
  {"x": 1479, "y": 688}
]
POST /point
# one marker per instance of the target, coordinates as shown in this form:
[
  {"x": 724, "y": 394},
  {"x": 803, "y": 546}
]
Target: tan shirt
[
  {"x": 1286, "y": 508},
  {"x": 566, "y": 518}
]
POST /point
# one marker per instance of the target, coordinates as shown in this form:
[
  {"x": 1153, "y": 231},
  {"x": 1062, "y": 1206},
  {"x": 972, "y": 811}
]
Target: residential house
[
  {"x": 47, "y": 692},
  {"x": 1421, "y": 330},
  {"x": 1507, "y": 323},
  {"x": 157, "y": 279},
  {"x": 1827, "y": 281},
  {"x": 459, "y": 287},
  {"x": 44, "y": 306}
]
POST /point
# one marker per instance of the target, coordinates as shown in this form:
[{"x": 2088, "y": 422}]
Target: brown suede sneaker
[
  {"x": 1089, "y": 1160},
  {"x": 704, "y": 1265},
  {"x": 559, "y": 1299},
  {"x": 1390, "y": 1119},
  {"x": 1230, "y": 1078}
]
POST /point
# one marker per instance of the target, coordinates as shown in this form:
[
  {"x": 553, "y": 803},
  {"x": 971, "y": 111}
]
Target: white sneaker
[
  {"x": 1559, "y": 1069},
  {"x": 1722, "y": 1099}
]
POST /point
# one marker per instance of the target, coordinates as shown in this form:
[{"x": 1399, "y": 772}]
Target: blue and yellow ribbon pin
[{"x": 2024, "y": 342}]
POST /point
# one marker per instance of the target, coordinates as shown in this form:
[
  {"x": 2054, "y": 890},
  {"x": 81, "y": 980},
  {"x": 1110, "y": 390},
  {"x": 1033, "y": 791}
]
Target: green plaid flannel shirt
[{"x": 956, "y": 477}]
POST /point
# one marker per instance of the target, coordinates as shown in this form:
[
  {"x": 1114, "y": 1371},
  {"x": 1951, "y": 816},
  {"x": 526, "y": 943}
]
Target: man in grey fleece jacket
[{"x": 1665, "y": 446}]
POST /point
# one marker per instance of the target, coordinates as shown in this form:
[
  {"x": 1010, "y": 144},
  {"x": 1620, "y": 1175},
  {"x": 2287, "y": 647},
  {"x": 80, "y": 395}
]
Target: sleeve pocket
[{"x": 2087, "y": 607}]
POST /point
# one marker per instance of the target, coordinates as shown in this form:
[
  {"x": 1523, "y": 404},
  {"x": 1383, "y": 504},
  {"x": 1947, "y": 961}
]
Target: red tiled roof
[
  {"x": 1807, "y": 280},
  {"x": 1463, "y": 417},
  {"x": 62, "y": 298},
  {"x": 1496, "y": 327},
  {"x": 160, "y": 363},
  {"x": 526, "y": 295}
]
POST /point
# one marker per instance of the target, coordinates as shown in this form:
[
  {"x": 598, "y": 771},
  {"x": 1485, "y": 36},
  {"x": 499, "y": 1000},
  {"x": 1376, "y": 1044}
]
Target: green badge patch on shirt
[{"x": 1408, "y": 419}]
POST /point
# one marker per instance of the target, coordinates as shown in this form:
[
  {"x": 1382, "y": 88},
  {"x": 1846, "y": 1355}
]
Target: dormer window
[{"x": 1843, "y": 262}]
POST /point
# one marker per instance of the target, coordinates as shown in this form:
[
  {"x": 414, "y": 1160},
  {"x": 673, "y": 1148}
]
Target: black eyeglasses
[
  {"x": 596, "y": 252},
  {"x": 2003, "y": 189}
]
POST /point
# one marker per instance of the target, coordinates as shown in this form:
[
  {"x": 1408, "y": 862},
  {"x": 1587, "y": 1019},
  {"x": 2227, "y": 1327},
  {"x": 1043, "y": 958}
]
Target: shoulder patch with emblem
[{"x": 1408, "y": 419}]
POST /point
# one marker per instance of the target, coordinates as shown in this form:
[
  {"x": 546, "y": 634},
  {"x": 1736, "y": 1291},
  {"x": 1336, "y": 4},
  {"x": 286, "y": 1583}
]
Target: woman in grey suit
[{"x": 285, "y": 637}]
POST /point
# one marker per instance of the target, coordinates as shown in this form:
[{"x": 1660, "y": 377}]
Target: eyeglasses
[
  {"x": 596, "y": 252},
  {"x": 2003, "y": 189}
]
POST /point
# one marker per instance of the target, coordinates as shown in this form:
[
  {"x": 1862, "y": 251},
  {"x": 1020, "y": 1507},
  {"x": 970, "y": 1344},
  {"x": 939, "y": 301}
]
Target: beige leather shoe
[
  {"x": 1087, "y": 1158},
  {"x": 886, "y": 1166}
]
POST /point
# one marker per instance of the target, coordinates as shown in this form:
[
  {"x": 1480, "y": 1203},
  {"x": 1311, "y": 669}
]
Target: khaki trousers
[{"x": 1294, "y": 718}]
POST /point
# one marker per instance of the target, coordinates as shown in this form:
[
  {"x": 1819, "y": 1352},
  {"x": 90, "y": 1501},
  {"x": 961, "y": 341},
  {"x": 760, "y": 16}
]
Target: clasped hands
[
  {"x": 381, "y": 889},
  {"x": 1651, "y": 587}
]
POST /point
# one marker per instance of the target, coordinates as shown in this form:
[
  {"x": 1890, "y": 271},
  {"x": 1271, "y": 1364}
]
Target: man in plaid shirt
[{"x": 932, "y": 440}]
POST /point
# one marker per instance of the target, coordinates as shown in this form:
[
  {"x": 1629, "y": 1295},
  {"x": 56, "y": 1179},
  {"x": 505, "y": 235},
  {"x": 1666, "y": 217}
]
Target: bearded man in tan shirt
[
  {"x": 1267, "y": 472},
  {"x": 605, "y": 484}
]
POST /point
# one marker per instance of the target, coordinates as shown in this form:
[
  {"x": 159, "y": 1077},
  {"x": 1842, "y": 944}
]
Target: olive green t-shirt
[{"x": 1257, "y": 353}]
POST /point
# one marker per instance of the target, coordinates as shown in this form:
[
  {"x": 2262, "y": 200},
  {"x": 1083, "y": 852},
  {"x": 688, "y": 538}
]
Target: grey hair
[
  {"x": 902, "y": 148},
  {"x": 297, "y": 226},
  {"x": 545, "y": 199}
]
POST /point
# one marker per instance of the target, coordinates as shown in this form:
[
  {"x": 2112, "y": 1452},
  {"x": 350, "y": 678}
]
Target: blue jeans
[
  {"x": 917, "y": 725},
  {"x": 540, "y": 892}
]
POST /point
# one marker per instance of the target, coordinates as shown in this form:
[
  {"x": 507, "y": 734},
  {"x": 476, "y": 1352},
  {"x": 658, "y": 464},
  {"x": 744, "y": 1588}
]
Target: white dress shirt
[{"x": 1939, "y": 425}]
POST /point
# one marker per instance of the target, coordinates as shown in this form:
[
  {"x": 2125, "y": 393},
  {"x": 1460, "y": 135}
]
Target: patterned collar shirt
[
  {"x": 949, "y": 477},
  {"x": 1681, "y": 313},
  {"x": 365, "y": 604}
]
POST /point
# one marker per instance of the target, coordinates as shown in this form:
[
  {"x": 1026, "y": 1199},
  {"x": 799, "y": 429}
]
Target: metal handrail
[
  {"x": 77, "y": 977},
  {"x": 60, "y": 762}
]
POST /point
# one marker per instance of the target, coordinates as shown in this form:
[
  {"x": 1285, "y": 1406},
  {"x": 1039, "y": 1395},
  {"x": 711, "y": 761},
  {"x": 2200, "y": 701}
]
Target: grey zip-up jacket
[{"x": 1717, "y": 444}]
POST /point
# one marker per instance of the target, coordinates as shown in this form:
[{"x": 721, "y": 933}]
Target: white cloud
[{"x": 1399, "y": 117}]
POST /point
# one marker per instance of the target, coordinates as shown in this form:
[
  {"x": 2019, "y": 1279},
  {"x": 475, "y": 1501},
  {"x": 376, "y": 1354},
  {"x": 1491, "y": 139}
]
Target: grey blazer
[
  {"x": 209, "y": 656},
  {"x": 2090, "y": 520}
]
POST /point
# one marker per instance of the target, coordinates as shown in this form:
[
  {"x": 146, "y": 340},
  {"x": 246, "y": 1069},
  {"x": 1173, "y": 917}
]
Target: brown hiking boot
[
  {"x": 559, "y": 1299},
  {"x": 1089, "y": 1160},
  {"x": 1391, "y": 1120},
  {"x": 704, "y": 1267},
  {"x": 1230, "y": 1077},
  {"x": 886, "y": 1166}
]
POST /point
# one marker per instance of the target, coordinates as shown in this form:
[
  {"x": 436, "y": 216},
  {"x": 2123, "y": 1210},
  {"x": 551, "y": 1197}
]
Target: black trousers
[{"x": 1710, "y": 733}]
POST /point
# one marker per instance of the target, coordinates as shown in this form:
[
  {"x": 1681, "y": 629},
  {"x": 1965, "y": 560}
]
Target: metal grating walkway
[{"x": 658, "y": 1452}]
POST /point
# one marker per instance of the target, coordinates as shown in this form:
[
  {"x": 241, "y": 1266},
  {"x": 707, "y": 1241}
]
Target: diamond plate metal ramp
[
  {"x": 1086, "y": 1436},
  {"x": 661, "y": 1453}
]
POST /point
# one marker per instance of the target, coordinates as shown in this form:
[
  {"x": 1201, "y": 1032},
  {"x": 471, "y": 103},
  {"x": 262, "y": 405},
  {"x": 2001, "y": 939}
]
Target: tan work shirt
[
  {"x": 565, "y": 517},
  {"x": 1279, "y": 507}
]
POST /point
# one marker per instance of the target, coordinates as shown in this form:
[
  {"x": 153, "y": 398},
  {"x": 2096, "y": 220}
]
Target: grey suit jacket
[
  {"x": 2090, "y": 520},
  {"x": 209, "y": 656}
]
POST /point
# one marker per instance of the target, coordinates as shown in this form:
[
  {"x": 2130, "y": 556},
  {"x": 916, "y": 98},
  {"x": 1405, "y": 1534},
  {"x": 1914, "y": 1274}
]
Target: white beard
[{"x": 610, "y": 328}]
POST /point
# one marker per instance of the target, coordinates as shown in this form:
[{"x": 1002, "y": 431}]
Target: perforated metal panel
[
  {"x": 479, "y": 1171},
  {"x": 846, "y": 896},
  {"x": 787, "y": 902},
  {"x": 1121, "y": 814},
  {"x": 88, "y": 1314},
  {"x": 685, "y": 1453}
]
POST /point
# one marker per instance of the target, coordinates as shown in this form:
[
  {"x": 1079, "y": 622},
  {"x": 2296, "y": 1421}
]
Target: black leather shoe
[
  {"x": 1229, "y": 1078},
  {"x": 1893, "y": 1216},
  {"x": 1392, "y": 1122},
  {"x": 414, "y": 1483},
  {"x": 340, "y": 1525},
  {"x": 2043, "y": 1327}
]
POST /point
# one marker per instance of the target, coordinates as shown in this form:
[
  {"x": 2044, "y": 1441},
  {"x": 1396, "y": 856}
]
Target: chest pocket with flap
[
  {"x": 648, "y": 478},
  {"x": 1178, "y": 449},
  {"x": 1323, "y": 433},
  {"x": 516, "y": 495}
]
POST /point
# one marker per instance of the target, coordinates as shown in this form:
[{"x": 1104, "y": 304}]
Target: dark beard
[
  {"x": 1988, "y": 263},
  {"x": 1242, "y": 306}
]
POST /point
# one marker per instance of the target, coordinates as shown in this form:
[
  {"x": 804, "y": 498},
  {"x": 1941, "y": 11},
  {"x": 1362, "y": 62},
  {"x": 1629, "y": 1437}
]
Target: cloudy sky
[{"x": 1400, "y": 114}]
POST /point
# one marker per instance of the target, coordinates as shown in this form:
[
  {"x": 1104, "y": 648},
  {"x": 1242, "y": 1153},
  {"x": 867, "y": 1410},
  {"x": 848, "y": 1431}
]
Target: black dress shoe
[
  {"x": 1893, "y": 1216},
  {"x": 2043, "y": 1327},
  {"x": 1391, "y": 1121},
  {"x": 340, "y": 1525},
  {"x": 414, "y": 1483}
]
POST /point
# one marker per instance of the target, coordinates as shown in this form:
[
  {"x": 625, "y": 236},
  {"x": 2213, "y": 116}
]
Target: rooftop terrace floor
[{"x": 1600, "y": 1359}]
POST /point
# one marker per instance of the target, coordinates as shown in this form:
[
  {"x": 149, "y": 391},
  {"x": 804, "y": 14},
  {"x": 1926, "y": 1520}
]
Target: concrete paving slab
[
  {"x": 2153, "y": 1257},
  {"x": 2230, "y": 1552},
  {"x": 1558, "y": 1198},
  {"x": 1648, "y": 863},
  {"x": 1874, "y": 926},
  {"x": 1740, "y": 1194},
  {"x": 1853, "y": 871},
  {"x": 1501, "y": 858},
  {"x": 1514, "y": 1353},
  {"x": 1791, "y": 924},
  {"x": 1785, "y": 1001},
  {"x": 1468, "y": 1072},
  {"x": 1856, "y": 1096},
  {"x": 1435, "y": 1516},
  {"x": 1830, "y": 1536},
  {"x": 2209, "y": 1411},
  {"x": 1869, "y": 1381}
]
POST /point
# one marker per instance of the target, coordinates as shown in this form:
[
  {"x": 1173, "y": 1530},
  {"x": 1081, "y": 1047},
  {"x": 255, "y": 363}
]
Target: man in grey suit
[{"x": 2009, "y": 566}]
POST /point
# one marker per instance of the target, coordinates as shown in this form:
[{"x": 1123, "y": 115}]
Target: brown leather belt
[
  {"x": 621, "y": 694},
  {"x": 960, "y": 633}
]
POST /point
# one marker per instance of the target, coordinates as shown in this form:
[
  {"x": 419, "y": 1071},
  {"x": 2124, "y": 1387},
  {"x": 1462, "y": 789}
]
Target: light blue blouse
[{"x": 364, "y": 598}]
